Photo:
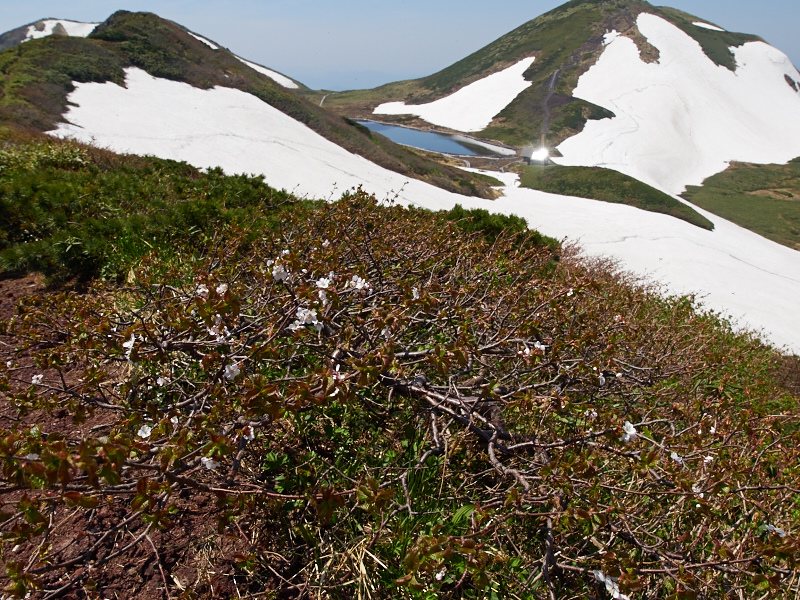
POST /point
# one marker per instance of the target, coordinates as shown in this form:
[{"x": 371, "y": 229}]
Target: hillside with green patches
[
  {"x": 356, "y": 399},
  {"x": 762, "y": 198},
  {"x": 38, "y": 76},
  {"x": 607, "y": 185},
  {"x": 566, "y": 42}
]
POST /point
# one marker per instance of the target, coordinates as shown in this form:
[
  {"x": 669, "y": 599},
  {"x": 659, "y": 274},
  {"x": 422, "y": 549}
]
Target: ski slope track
[
  {"x": 684, "y": 118},
  {"x": 736, "y": 272}
]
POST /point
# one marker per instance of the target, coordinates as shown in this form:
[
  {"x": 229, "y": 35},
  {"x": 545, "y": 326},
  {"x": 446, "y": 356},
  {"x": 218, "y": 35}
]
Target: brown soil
[{"x": 190, "y": 559}]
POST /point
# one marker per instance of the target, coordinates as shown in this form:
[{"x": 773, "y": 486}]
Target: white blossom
[
  {"x": 305, "y": 316},
  {"x": 10, "y": 364},
  {"x": 37, "y": 379},
  {"x": 776, "y": 530},
  {"x": 221, "y": 335},
  {"x": 677, "y": 458},
  {"x": 630, "y": 432},
  {"x": 32, "y": 456},
  {"x": 144, "y": 431},
  {"x": 590, "y": 414},
  {"x": 539, "y": 346},
  {"x": 326, "y": 243},
  {"x": 358, "y": 283},
  {"x": 161, "y": 381},
  {"x": 280, "y": 273},
  {"x": 602, "y": 380},
  {"x": 248, "y": 434},
  {"x": 202, "y": 291},
  {"x": 129, "y": 346},
  {"x": 232, "y": 371},
  {"x": 570, "y": 293},
  {"x": 174, "y": 421},
  {"x": 323, "y": 297},
  {"x": 698, "y": 489},
  {"x": 415, "y": 293},
  {"x": 708, "y": 459},
  {"x": 386, "y": 333},
  {"x": 324, "y": 283},
  {"x": 209, "y": 463},
  {"x": 611, "y": 586},
  {"x": 440, "y": 575},
  {"x": 222, "y": 288}
]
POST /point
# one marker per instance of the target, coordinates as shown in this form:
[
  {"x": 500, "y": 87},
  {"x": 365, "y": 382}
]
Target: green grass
[
  {"x": 608, "y": 186},
  {"x": 67, "y": 210},
  {"x": 762, "y": 198}
]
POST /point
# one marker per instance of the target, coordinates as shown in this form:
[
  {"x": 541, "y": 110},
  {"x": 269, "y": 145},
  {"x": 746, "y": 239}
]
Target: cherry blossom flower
[
  {"x": 324, "y": 283},
  {"x": 415, "y": 293},
  {"x": 209, "y": 463},
  {"x": 37, "y": 379},
  {"x": 776, "y": 530},
  {"x": 144, "y": 431},
  {"x": 630, "y": 432},
  {"x": 222, "y": 288},
  {"x": 590, "y": 414},
  {"x": 677, "y": 458},
  {"x": 161, "y": 381},
  {"x": 305, "y": 316},
  {"x": 358, "y": 283},
  {"x": 32, "y": 456},
  {"x": 248, "y": 434},
  {"x": 611, "y": 586},
  {"x": 232, "y": 371},
  {"x": 280, "y": 273},
  {"x": 129, "y": 346},
  {"x": 202, "y": 291}
]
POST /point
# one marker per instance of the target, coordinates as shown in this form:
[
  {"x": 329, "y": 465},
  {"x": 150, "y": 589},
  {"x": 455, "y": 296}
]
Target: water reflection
[{"x": 436, "y": 142}]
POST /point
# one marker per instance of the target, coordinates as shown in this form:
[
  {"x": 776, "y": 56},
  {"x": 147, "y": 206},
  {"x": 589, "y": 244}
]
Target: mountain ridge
[{"x": 40, "y": 74}]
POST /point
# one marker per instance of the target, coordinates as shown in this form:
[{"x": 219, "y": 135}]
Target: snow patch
[
  {"x": 472, "y": 107},
  {"x": 684, "y": 118},
  {"x": 276, "y": 77},
  {"x": 707, "y": 26},
  {"x": 211, "y": 45},
  {"x": 740, "y": 273},
  {"x": 73, "y": 28}
]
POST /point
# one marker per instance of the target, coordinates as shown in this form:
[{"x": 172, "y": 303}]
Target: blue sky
[{"x": 361, "y": 44}]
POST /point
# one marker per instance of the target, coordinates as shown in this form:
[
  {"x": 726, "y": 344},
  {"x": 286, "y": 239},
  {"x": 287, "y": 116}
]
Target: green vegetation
[
  {"x": 762, "y": 198},
  {"x": 609, "y": 186},
  {"x": 566, "y": 42},
  {"x": 716, "y": 44},
  {"x": 370, "y": 401},
  {"x": 38, "y": 76},
  {"x": 72, "y": 211}
]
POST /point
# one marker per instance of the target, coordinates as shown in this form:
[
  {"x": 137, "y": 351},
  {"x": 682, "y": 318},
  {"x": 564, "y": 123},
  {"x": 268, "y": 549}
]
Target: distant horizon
[{"x": 361, "y": 45}]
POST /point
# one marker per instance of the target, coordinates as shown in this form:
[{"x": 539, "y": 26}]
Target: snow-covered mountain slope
[
  {"x": 276, "y": 77},
  {"x": 684, "y": 118},
  {"x": 46, "y": 27},
  {"x": 472, "y": 107},
  {"x": 738, "y": 272}
]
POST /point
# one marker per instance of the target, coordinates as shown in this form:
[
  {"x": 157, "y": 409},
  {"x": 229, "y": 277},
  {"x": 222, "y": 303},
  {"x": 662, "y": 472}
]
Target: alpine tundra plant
[{"x": 371, "y": 403}]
